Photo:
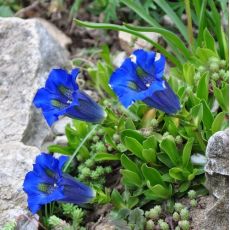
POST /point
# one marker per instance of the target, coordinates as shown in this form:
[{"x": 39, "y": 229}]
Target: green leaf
[
  {"x": 150, "y": 142},
  {"x": 177, "y": 173},
  {"x": 223, "y": 101},
  {"x": 189, "y": 73},
  {"x": 130, "y": 178},
  {"x": 134, "y": 146},
  {"x": 165, "y": 160},
  {"x": 207, "y": 114},
  {"x": 218, "y": 122},
  {"x": 107, "y": 157},
  {"x": 209, "y": 41},
  {"x": 202, "y": 22},
  {"x": 178, "y": 22},
  {"x": 167, "y": 35},
  {"x": 169, "y": 147},
  {"x": 127, "y": 163},
  {"x": 131, "y": 133},
  {"x": 197, "y": 114},
  {"x": 129, "y": 124},
  {"x": 149, "y": 155},
  {"x": 124, "y": 29},
  {"x": 67, "y": 150},
  {"x": 117, "y": 199},
  {"x": 138, "y": 8},
  {"x": 184, "y": 186},
  {"x": 187, "y": 152},
  {"x": 204, "y": 54},
  {"x": 203, "y": 87},
  {"x": 5, "y": 11},
  {"x": 152, "y": 175},
  {"x": 159, "y": 191}
]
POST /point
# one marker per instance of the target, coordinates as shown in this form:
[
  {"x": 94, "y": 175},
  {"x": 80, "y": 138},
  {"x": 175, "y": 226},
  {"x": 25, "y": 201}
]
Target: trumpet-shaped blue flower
[
  {"x": 61, "y": 96},
  {"x": 47, "y": 183},
  {"x": 140, "y": 77}
]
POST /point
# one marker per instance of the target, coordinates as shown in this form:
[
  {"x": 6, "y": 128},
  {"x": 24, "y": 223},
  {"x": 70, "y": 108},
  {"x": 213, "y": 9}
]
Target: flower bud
[
  {"x": 178, "y": 140},
  {"x": 222, "y": 63},
  {"x": 176, "y": 216},
  {"x": 100, "y": 147},
  {"x": 191, "y": 194},
  {"x": 215, "y": 76},
  {"x": 164, "y": 225},
  {"x": 178, "y": 207},
  {"x": 153, "y": 214},
  {"x": 89, "y": 163},
  {"x": 214, "y": 67},
  {"x": 95, "y": 139},
  {"x": 184, "y": 213},
  {"x": 150, "y": 225},
  {"x": 184, "y": 224},
  {"x": 86, "y": 172},
  {"x": 201, "y": 69},
  {"x": 193, "y": 203},
  {"x": 177, "y": 228},
  {"x": 154, "y": 123},
  {"x": 158, "y": 209},
  {"x": 116, "y": 138}
]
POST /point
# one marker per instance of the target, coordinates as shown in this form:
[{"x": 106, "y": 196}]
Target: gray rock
[
  {"x": 217, "y": 167},
  {"x": 60, "y": 140},
  {"x": 16, "y": 159},
  {"x": 59, "y": 126},
  {"x": 28, "y": 52},
  {"x": 214, "y": 215}
]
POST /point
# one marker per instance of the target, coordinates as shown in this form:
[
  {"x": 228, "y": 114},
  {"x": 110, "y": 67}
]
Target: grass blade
[{"x": 124, "y": 29}]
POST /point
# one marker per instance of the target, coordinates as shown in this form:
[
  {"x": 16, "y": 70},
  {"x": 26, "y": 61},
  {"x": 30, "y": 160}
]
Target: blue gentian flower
[
  {"x": 61, "y": 96},
  {"x": 47, "y": 183},
  {"x": 140, "y": 77}
]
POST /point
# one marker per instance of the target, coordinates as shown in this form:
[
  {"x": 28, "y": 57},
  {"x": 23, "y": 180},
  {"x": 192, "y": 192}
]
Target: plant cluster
[{"x": 142, "y": 152}]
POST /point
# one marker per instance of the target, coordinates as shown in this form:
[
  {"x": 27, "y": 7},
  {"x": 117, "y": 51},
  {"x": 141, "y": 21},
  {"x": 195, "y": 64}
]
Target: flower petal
[
  {"x": 75, "y": 191},
  {"x": 60, "y": 77},
  {"x": 87, "y": 110},
  {"x": 164, "y": 100},
  {"x": 151, "y": 62}
]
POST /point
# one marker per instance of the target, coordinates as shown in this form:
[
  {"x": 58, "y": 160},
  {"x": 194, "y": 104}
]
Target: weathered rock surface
[
  {"x": 217, "y": 167},
  {"x": 215, "y": 214},
  {"x": 16, "y": 159},
  {"x": 28, "y": 52}
]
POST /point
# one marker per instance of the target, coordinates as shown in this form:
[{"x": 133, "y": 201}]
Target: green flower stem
[
  {"x": 124, "y": 29},
  {"x": 79, "y": 147},
  {"x": 189, "y": 21}
]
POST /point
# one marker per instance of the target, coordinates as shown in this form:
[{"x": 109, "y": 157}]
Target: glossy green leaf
[
  {"x": 117, "y": 199},
  {"x": 134, "y": 146},
  {"x": 187, "y": 152},
  {"x": 127, "y": 163},
  {"x": 197, "y": 114},
  {"x": 189, "y": 73},
  {"x": 129, "y": 124},
  {"x": 107, "y": 157},
  {"x": 152, "y": 175},
  {"x": 131, "y": 133},
  {"x": 177, "y": 173},
  {"x": 160, "y": 191},
  {"x": 149, "y": 155},
  {"x": 209, "y": 40},
  {"x": 223, "y": 101},
  {"x": 150, "y": 143},
  {"x": 66, "y": 150},
  {"x": 130, "y": 178},
  {"x": 178, "y": 22},
  {"x": 218, "y": 122},
  {"x": 169, "y": 147},
  {"x": 207, "y": 114},
  {"x": 203, "y": 87}
]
